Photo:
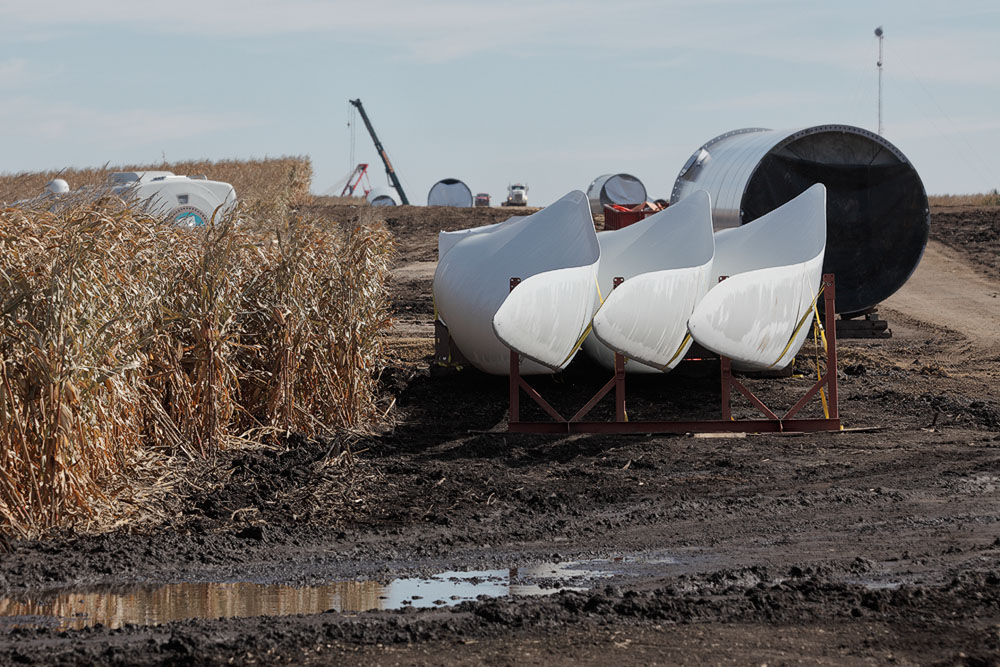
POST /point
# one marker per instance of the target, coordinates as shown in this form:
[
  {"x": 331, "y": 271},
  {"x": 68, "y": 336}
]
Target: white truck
[{"x": 517, "y": 195}]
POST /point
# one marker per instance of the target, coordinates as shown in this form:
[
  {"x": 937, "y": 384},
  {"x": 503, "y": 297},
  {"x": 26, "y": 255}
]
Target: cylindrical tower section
[
  {"x": 382, "y": 197},
  {"x": 878, "y": 219},
  {"x": 449, "y": 192},
  {"x": 622, "y": 189}
]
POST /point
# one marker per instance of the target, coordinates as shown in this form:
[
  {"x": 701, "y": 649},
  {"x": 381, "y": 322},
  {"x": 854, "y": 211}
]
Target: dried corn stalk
[{"x": 121, "y": 335}]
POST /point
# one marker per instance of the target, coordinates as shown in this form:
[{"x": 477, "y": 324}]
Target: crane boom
[{"x": 381, "y": 152}]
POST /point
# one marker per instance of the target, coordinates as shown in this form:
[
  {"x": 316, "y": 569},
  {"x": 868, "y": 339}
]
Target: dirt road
[
  {"x": 879, "y": 546},
  {"x": 948, "y": 292}
]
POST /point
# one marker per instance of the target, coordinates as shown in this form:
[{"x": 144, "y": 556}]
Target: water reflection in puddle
[
  {"x": 876, "y": 585},
  {"x": 150, "y": 605}
]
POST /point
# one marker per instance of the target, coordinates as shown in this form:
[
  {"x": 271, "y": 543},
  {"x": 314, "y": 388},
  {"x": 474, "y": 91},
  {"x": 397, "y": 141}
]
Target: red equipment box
[{"x": 615, "y": 219}]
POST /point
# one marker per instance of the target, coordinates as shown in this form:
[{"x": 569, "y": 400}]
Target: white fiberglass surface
[
  {"x": 555, "y": 253},
  {"x": 666, "y": 261},
  {"x": 191, "y": 202},
  {"x": 449, "y": 192},
  {"x": 761, "y": 314},
  {"x": 123, "y": 177},
  {"x": 447, "y": 240}
]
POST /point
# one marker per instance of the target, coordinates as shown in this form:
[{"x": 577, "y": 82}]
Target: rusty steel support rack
[{"x": 772, "y": 424}]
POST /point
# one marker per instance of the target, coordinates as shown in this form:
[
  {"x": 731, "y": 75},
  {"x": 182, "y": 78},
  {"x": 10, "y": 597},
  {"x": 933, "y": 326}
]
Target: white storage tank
[
  {"x": 449, "y": 192},
  {"x": 57, "y": 186},
  {"x": 621, "y": 189},
  {"x": 382, "y": 197}
]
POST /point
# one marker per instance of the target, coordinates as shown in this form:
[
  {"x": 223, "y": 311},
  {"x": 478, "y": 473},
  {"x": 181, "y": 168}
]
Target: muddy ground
[{"x": 880, "y": 544}]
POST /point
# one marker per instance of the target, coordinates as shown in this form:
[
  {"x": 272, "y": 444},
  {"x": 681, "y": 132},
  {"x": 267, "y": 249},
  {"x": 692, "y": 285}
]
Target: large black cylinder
[{"x": 878, "y": 219}]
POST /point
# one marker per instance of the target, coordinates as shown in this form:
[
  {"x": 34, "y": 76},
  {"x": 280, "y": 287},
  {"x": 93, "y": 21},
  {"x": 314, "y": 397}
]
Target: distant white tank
[
  {"x": 382, "y": 197},
  {"x": 57, "y": 186},
  {"x": 449, "y": 192},
  {"x": 621, "y": 189}
]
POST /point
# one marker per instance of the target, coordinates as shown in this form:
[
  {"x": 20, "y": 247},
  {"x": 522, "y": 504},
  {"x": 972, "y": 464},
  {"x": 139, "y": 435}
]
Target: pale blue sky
[{"x": 549, "y": 93}]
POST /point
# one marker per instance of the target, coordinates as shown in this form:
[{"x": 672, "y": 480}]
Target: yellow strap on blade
[
  {"x": 798, "y": 327},
  {"x": 826, "y": 350},
  {"x": 576, "y": 348},
  {"x": 822, "y": 330},
  {"x": 680, "y": 349},
  {"x": 819, "y": 323},
  {"x": 817, "y": 327},
  {"x": 586, "y": 332}
]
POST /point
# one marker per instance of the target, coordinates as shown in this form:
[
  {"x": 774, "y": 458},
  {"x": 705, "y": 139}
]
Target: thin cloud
[
  {"x": 437, "y": 31},
  {"x": 428, "y": 32},
  {"x": 13, "y": 71},
  {"x": 941, "y": 128},
  {"x": 763, "y": 100},
  {"x": 953, "y": 59},
  {"x": 448, "y": 30},
  {"x": 256, "y": 17},
  {"x": 28, "y": 117}
]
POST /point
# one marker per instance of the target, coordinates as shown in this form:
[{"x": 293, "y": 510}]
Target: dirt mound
[{"x": 416, "y": 227}]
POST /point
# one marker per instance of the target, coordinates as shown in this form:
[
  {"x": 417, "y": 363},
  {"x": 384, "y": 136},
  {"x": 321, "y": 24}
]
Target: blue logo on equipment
[{"x": 189, "y": 219}]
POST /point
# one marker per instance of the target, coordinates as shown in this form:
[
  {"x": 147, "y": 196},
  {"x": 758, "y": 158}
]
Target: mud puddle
[{"x": 114, "y": 607}]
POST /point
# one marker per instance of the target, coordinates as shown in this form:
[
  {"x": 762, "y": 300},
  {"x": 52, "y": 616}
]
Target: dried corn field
[
  {"x": 988, "y": 199},
  {"x": 126, "y": 343},
  {"x": 284, "y": 179}
]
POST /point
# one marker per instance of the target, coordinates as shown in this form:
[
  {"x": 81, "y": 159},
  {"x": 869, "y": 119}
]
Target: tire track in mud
[{"x": 947, "y": 291}]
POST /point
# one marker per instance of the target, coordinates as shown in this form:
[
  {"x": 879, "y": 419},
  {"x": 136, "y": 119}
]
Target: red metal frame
[
  {"x": 354, "y": 180},
  {"x": 772, "y": 424}
]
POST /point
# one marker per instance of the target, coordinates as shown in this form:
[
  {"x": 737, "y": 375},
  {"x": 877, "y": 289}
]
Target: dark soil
[
  {"x": 871, "y": 546},
  {"x": 973, "y": 231}
]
